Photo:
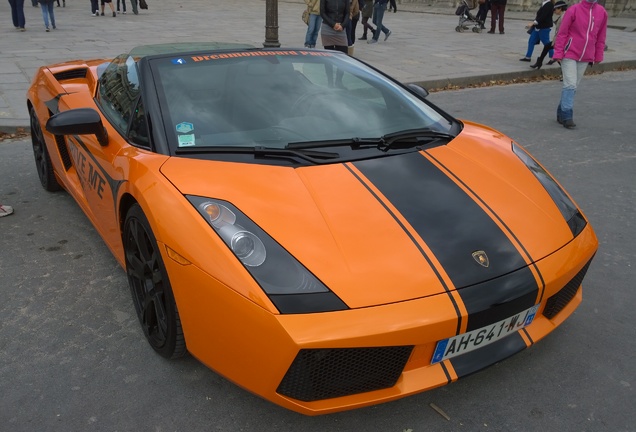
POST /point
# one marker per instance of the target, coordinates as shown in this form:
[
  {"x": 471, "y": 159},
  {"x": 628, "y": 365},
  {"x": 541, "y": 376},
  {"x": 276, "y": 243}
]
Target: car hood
[{"x": 397, "y": 227}]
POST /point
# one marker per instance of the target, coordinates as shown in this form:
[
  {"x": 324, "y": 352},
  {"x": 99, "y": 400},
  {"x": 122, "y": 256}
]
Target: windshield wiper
[
  {"x": 413, "y": 137},
  {"x": 354, "y": 143},
  {"x": 410, "y": 137},
  {"x": 259, "y": 151}
]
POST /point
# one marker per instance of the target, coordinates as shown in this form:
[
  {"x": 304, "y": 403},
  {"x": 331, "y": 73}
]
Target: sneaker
[
  {"x": 569, "y": 124},
  {"x": 124, "y": 12},
  {"x": 387, "y": 35},
  {"x": 102, "y": 13},
  {"x": 54, "y": 28},
  {"x": 372, "y": 41},
  {"x": 526, "y": 59},
  {"x": 22, "y": 29},
  {"x": 47, "y": 29},
  {"x": 5, "y": 210},
  {"x": 362, "y": 38},
  {"x": 95, "y": 14},
  {"x": 491, "y": 32}
]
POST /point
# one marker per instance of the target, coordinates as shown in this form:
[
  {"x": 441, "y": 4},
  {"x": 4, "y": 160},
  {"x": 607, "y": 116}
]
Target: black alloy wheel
[
  {"x": 41, "y": 154},
  {"x": 150, "y": 287}
]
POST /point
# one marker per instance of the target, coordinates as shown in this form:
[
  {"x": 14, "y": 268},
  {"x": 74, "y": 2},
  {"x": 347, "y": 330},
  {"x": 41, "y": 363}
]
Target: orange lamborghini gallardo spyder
[{"x": 313, "y": 230}]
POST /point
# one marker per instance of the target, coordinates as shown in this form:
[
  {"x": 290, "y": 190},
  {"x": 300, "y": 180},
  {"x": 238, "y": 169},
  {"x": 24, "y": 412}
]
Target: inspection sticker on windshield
[
  {"x": 185, "y": 127},
  {"x": 186, "y": 140},
  {"x": 475, "y": 339}
]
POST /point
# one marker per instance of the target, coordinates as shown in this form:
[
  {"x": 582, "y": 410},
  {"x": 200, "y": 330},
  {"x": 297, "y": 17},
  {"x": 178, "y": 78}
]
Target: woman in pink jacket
[{"x": 580, "y": 41}]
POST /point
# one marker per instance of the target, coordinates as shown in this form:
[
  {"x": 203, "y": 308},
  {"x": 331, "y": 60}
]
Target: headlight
[
  {"x": 289, "y": 285},
  {"x": 568, "y": 209}
]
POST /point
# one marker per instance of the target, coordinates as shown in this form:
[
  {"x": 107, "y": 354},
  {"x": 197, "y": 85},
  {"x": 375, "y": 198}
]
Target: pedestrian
[
  {"x": 335, "y": 17},
  {"x": 482, "y": 13},
  {"x": 313, "y": 26},
  {"x": 497, "y": 12},
  {"x": 123, "y": 4},
  {"x": 110, "y": 3},
  {"x": 17, "y": 14},
  {"x": 378, "y": 16},
  {"x": 581, "y": 41},
  {"x": 47, "y": 13},
  {"x": 5, "y": 210},
  {"x": 354, "y": 17},
  {"x": 559, "y": 7},
  {"x": 367, "y": 13},
  {"x": 540, "y": 29},
  {"x": 95, "y": 7}
]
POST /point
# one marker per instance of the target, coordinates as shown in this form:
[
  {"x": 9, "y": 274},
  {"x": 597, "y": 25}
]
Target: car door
[{"x": 106, "y": 166}]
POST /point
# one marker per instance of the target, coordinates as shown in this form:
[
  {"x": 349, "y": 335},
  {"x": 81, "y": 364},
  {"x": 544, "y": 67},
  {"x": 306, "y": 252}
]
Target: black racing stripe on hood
[
  {"x": 454, "y": 226},
  {"x": 520, "y": 245},
  {"x": 430, "y": 263}
]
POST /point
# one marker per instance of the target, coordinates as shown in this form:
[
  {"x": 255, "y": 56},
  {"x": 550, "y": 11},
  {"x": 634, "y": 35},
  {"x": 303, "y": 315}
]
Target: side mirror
[
  {"x": 418, "y": 90},
  {"x": 80, "y": 121}
]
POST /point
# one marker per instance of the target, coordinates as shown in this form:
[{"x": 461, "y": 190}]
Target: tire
[
  {"x": 150, "y": 287},
  {"x": 41, "y": 155}
]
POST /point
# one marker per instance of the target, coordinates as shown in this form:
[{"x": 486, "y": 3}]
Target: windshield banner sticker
[{"x": 260, "y": 54}]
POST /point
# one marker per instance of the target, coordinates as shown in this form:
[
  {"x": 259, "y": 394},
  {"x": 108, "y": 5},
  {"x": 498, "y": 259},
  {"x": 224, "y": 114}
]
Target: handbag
[
  {"x": 143, "y": 4},
  {"x": 306, "y": 16},
  {"x": 530, "y": 30}
]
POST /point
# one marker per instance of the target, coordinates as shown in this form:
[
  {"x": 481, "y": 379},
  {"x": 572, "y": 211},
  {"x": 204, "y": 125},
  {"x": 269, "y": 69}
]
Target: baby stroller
[{"x": 466, "y": 18}]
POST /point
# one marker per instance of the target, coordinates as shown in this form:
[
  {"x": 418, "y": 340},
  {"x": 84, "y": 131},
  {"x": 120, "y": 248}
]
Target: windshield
[{"x": 270, "y": 98}]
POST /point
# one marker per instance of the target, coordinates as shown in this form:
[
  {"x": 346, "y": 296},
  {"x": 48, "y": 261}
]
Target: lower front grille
[
  {"x": 557, "y": 302},
  {"x": 317, "y": 374}
]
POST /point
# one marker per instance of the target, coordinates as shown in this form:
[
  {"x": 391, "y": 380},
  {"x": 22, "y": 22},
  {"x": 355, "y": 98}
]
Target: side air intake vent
[{"x": 71, "y": 74}]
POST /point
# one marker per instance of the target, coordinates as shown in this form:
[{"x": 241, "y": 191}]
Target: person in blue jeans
[
  {"x": 47, "y": 12},
  {"x": 315, "y": 21},
  {"x": 17, "y": 14},
  {"x": 378, "y": 15}
]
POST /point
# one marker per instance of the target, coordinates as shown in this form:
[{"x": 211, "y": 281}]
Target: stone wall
[{"x": 614, "y": 7}]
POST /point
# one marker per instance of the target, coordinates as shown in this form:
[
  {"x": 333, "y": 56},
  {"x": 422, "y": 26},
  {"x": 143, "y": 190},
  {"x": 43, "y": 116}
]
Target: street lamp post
[{"x": 271, "y": 24}]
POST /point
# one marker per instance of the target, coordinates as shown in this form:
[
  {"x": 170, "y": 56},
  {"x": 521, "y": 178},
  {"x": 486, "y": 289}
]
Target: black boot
[{"x": 537, "y": 65}]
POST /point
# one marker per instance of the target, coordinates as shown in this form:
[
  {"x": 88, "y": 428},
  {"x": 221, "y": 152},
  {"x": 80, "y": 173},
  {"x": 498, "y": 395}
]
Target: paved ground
[
  {"x": 424, "y": 46},
  {"x": 73, "y": 356}
]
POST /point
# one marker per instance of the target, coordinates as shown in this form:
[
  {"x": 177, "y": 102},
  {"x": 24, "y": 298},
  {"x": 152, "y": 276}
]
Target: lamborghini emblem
[{"x": 481, "y": 258}]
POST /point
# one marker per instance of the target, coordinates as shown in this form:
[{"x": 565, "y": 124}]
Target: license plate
[{"x": 466, "y": 342}]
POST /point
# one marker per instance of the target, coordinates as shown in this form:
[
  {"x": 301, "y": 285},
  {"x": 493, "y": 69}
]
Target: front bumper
[{"x": 327, "y": 362}]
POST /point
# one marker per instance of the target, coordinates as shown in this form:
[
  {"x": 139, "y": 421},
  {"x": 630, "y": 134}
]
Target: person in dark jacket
[
  {"x": 497, "y": 11},
  {"x": 367, "y": 14},
  {"x": 335, "y": 17},
  {"x": 541, "y": 27},
  {"x": 17, "y": 14},
  {"x": 482, "y": 13},
  {"x": 559, "y": 7}
]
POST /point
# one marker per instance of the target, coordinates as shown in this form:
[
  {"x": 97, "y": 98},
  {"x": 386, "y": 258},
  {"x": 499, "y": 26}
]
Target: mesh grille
[
  {"x": 319, "y": 374},
  {"x": 71, "y": 74},
  {"x": 557, "y": 302}
]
